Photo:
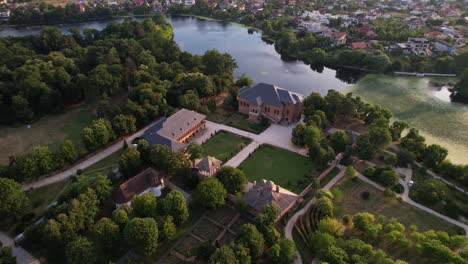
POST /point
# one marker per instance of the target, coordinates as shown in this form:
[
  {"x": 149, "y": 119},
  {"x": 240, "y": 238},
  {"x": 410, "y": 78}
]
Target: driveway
[{"x": 22, "y": 256}]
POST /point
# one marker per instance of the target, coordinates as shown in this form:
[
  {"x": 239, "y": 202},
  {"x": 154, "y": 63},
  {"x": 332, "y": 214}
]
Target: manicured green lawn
[
  {"x": 224, "y": 145},
  {"x": 349, "y": 201},
  {"x": 241, "y": 121},
  {"x": 281, "y": 166}
]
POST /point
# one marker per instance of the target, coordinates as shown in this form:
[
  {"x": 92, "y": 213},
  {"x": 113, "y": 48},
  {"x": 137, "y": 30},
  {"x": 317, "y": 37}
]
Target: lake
[{"x": 409, "y": 98}]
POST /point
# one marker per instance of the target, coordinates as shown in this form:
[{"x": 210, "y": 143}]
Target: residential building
[
  {"x": 359, "y": 45},
  {"x": 419, "y": 46},
  {"x": 147, "y": 181},
  {"x": 176, "y": 130},
  {"x": 206, "y": 167},
  {"x": 269, "y": 101},
  {"x": 261, "y": 193}
]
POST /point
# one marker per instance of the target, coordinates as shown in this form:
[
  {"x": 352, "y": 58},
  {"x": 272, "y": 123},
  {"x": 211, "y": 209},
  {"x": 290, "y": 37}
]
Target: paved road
[
  {"x": 292, "y": 221},
  {"x": 22, "y": 256},
  {"x": 86, "y": 163}
]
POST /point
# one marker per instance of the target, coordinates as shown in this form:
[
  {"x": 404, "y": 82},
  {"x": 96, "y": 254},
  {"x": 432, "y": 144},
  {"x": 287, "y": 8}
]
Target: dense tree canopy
[
  {"x": 211, "y": 193},
  {"x": 141, "y": 234},
  {"x": 12, "y": 198}
]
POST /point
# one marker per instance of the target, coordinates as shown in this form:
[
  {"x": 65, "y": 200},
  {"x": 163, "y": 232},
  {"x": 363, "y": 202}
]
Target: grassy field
[
  {"x": 106, "y": 164},
  {"x": 40, "y": 198},
  {"x": 224, "y": 145},
  {"x": 241, "y": 121},
  {"x": 349, "y": 201},
  {"x": 49, "y": 130},
  {"x": 415, "y": 101},
  {"x": 283, "y": 167}
]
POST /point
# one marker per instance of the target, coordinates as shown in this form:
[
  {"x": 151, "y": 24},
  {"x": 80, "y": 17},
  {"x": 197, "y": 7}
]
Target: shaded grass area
[
  {"x": 458, "y": 199},
  {"x": 413, "y": 100},
  {"x": 241, "y": 121},
  {"x": 285, "y": 168},
  {"x": 40, "y": 199},
  {"x": 329, "y": 177},
  {"x": 225, "y": 145},
  {"x": 105, "y": 165},
  {"x": 349, "y": 201},
  {"x": 50, "y": 130}
]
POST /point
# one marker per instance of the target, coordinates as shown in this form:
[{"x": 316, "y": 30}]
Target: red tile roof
[{"x": 359, "y": 45}]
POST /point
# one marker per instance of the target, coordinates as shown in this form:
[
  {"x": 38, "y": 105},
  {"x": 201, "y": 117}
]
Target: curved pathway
[
  {"x": 87, "y": 162},
  {"x": 292, "y": 221},
  {"x": 405, "y": 197}
]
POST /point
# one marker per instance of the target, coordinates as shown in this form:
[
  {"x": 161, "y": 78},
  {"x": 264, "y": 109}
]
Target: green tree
[
  {"x": 68, "y": 151},
  {"x": 243, "y": 80},
  {"x": 205, "y": 250},
  {"x": 287, "y": 251},
  {"x": 325, "y": 207},
  {"x": 98, "y": 134},
  {"x": 13, "y": 200},
  {"x": 330, "y": 226},
  {"x": 223, "y": 255},
  {"x": 339, "y": 140},
  {"x": 397, "y": 128},
  {"x": 298, "y": 134},
  {"x": 124, "y": 125},
  {"x": 232, "y": 179},
  {"x": 434, "y": 155},
  {"x": 6, "y": 256},
  {"x": 350, "y": 172},
  {"x": 130, "y": 162},
  {"x": 460, "y": 90},
  {"x": 252, "y": 238},
  {"x": 144, "y": 205},
  {"x": 312, "y": 136},
  {"x": 20, "y": 108},
  {"x": 81, "y": 250},
  {"x": 120, "y": 217},
  {"x": 167, "y": 228},
  {"x": 141, "y": 234},
  {"x": 107, "y": 236},
  {"x": 210, "y": 193},
  {"x": 196, "y": 151},
  {"x": 175, "y": 205}
]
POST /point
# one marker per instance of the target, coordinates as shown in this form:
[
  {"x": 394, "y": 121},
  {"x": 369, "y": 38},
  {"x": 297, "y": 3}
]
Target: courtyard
[
  {"x": 224, "y": 145},
  {"x": 285, "y": 168}
]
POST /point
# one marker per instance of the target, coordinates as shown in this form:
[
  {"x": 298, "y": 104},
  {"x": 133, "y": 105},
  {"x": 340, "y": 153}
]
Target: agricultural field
[
  {"x": 285, "y": 168},
  {"x": 225, "y": 145},
  {"x": 348, "y": 201},
  {"x": 49, "y": 130}
]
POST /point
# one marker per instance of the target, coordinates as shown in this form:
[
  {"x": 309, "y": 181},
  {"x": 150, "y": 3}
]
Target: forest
[{"x": 132, "y": 72}]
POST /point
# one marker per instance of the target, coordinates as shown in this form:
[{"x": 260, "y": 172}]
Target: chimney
[{"x": 277, "y": 188}]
